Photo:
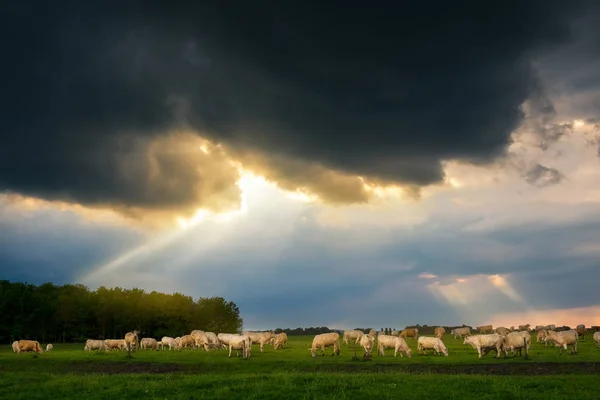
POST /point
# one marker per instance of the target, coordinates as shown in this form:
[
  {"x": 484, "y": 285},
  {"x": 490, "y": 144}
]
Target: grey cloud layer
[
  {"x": 379, "y": 91},
  {"x": 298, "y": 273}
]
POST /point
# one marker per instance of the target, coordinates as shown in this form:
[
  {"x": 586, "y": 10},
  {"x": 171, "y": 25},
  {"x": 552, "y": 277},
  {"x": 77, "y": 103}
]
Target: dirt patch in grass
[{"x": 455, "y": 369}]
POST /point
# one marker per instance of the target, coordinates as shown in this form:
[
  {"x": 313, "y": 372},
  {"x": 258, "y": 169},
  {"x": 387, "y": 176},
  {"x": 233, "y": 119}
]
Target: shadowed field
[{"x": 69, "y": 372}]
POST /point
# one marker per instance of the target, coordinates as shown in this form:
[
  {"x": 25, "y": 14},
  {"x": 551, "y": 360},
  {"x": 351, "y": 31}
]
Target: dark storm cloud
[{"x": 381, "y": 91}]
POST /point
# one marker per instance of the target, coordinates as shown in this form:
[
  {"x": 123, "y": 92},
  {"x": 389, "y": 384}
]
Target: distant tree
[{"x": 67, "y": 313}]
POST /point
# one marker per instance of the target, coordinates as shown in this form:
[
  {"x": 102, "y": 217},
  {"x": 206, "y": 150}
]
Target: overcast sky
[{"x": 340, "y": 165}]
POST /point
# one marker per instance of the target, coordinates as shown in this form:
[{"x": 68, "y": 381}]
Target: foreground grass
[{"x": 69, "y": 372}]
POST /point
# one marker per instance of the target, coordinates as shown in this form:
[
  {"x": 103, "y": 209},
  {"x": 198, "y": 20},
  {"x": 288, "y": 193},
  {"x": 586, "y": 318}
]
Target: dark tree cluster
[{"x": 73, "y": 313}]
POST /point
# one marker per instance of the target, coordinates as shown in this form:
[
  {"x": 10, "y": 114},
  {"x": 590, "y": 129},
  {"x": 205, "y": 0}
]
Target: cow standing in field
[
  {"x": 240, "y": 342},
  {"x": 200, "y": 339},
  {"x": 212, "y": 341},
  {"x": 392, "y": 342},
  {"x": 581, "y": 331},
  {"x": 431, "y": 343},
  {"x": 597, "y": 338},
  {"x": 410, "y": 333},
  {"x": 119, "y": 344},
  {"x": 484, "y": 343},
  {"x": 353, "y": 335},
  {"x": 49, "y": 347},
  {"x": 367, "y": 342},
  {"x": 280, "y": 340},
  {"x": 439, "y": 332},
  {"x": 502, "y": 331},
  {"x": 461, "y": 332},
  {"x": 186, "y": 341},
  {"x": 485, "y": 329},
  {"x": 260, "y": 338},
  {"x": 148, "y": 343},
  {"x": 525, "y": 327},
  {"x": 564, "y": 339},
  {"x": 15, "y": 346},
  {"x": 516, "y": 341},
  {"x": 326, "y": 340},
  {"x": 168, "y": 341},
  {"x": 24, "y": 346},
  {"x": 131, "y": 340}
]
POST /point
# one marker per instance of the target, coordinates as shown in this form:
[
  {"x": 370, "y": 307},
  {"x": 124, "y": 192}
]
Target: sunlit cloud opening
[{"x": 427, "y": 276}]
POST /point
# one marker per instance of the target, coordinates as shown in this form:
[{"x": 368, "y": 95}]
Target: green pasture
[{"x": 70, "y": 373}]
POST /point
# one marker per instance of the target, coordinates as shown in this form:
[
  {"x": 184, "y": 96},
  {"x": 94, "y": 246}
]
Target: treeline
[
  {"x": 423, "y": 330},
  {"x": 73, "y": 313}
]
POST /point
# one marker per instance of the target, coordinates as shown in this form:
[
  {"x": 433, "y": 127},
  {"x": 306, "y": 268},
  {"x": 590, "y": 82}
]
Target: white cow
[
  {"x": 597, "y": 338},
  {"x": 323, "y": 340},
  {"x": 367, "y": 342},
  {"x": 280, "y": 340},
  {"x": 224, "y": 338},
  {"x": 516, "y": 341},
  {"x": 260, "y": 338},
  {"x": 200, "y": 339},
  {"x": 168, "y": 341},
  {"x": 461, "y": 332},
  {"x": 392, "y": 342},
  {"x": 49, "y": 347},
  {"x": 240, "y": 342},
  {"x": 564, "y": 339},
  {"x": 148, "y": 343},
  {"x": 353, "y": 335},
  {"x": 484, "y": 343},
  {"x": 91, "y": 344},
  {"x": 212, "y": 341},
  {"x": 15, "y": 346},
  {"x": 431, "y": 343}
]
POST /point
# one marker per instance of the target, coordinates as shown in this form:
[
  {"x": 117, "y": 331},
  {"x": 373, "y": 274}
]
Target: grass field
[{"x": 70, "y": 373}]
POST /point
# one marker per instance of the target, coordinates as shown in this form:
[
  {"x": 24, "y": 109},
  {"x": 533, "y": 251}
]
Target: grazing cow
[
  {"x": 260, "y": 338},
  {"x": 354, "y": 335},
  {"x": 119, "y": 344},
  {"x": 485, "y": 329},
  {"x": 597, "y": 338},
  {"x": 392, "y": 342},
  {"x": 24, "y": 346},
  {"x": 131, "y": 340},
  {"x": 461, "y": 332},
  {"x": 425, "y": 343},
  {"x": 395, "y": 333},
  {"x": 550, "y": 327},
  {"x": 525, "y": 327},
  {"x": 542, "y": 336},
  {"x": 186, "y": 341},
  {"x": 516, "y": 341},
  {"x": 323, "y": 340},
  {"x": 15, "y": 346},
  {"x": 92, "y": 344},
  {"x": 49, "y": 347},
  {"x": 484, "y": 343},
  {"x": 148, "y": 343},
  {"x": 564, "y": 339},
  {"x": 168, "y": 341},
  {"x": 240, "y": 342},
  {"x": 439, "y": 332},
  {"x": 367, "y": 342},
  {"x": 280, "y": 340},
  {"x": 213, "y": 342},
  {"x": 410, "y": 333},
  {"x": 200, "y": 339},
  {"x": 224, "y": 339},
  {"x": 539, "y": 328},
  {"x": 502, "y": 331},
  {"x": 581, "y": 331}
]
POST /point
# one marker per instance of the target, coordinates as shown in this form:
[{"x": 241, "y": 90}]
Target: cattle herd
[{"x": 500, "y": 339}]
